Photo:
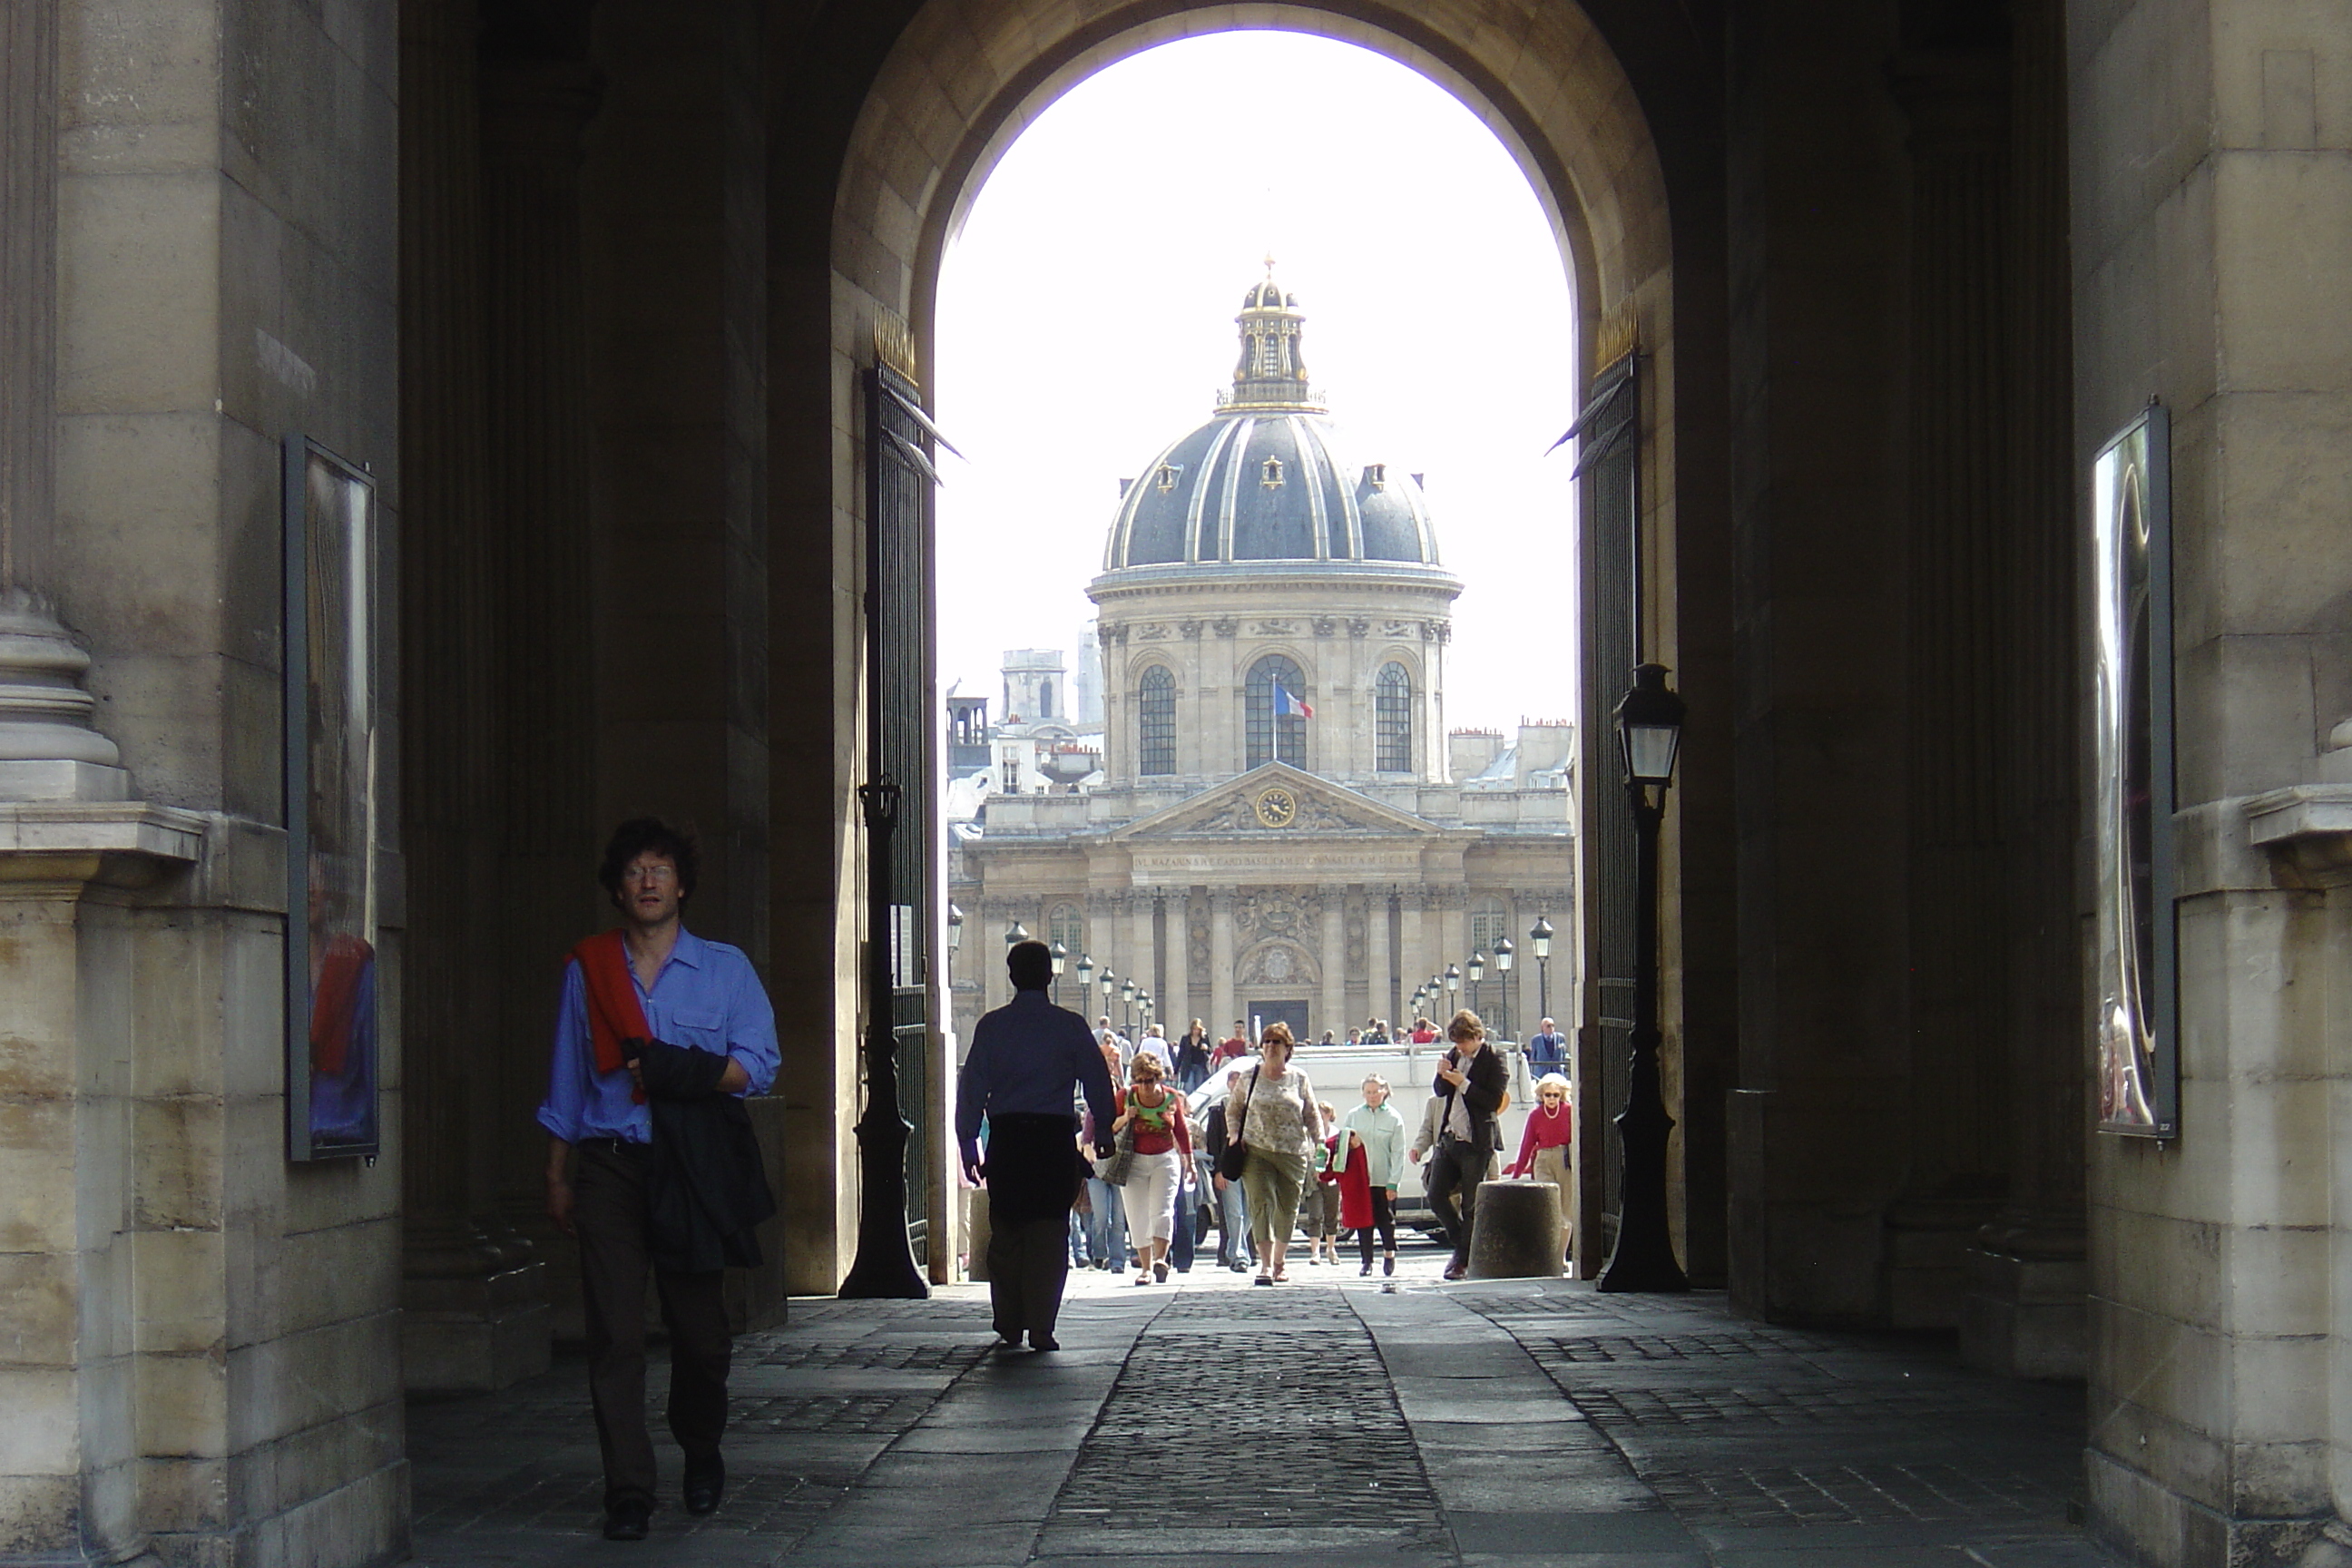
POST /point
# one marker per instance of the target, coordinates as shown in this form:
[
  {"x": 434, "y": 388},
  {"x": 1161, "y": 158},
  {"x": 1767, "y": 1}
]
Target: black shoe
[
  {"x": 705, "y": 1486},
  {"x": 1388, "y": 1264},
  {"x": 628, "y": 1521},
  {"x": 1038, "y": 1341}
]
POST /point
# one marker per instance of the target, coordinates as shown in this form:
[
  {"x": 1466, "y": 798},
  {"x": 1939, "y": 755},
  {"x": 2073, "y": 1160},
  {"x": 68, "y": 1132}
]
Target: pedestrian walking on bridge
[
  {"x": 1272, "y": 1108},
  {"x": 1027, "y": 1057}
]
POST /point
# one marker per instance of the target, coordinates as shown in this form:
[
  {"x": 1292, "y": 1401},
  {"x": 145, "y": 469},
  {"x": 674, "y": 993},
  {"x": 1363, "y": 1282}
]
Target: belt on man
[{"x": 617, "y": 1145}]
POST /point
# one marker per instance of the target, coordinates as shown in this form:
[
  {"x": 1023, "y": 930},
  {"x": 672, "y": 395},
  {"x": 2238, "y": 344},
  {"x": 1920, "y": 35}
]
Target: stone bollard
[
  {"x": 975, "y": 1235},
  {"x": 1514, "y": 1234}
]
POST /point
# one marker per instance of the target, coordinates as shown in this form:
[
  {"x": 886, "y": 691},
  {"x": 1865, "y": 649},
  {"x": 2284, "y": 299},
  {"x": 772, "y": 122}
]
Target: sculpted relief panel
[{"x": 1280, "y": 963}]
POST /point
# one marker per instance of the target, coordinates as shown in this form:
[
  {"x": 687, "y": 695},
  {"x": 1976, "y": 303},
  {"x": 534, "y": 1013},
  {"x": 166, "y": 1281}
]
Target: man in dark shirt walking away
[{"x": 1027, "y": 1057}]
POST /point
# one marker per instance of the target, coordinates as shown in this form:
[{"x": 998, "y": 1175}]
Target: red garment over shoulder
[{"x": 614, "y": 1014}]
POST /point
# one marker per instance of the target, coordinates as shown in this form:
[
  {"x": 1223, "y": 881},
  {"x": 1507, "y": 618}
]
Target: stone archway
[{"x": 960, "y": 79}]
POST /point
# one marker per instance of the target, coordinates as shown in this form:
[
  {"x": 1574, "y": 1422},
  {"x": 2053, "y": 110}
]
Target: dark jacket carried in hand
[
  {"x": 706, "y": 1187},
  {"x": 1489, "y": 1081}
]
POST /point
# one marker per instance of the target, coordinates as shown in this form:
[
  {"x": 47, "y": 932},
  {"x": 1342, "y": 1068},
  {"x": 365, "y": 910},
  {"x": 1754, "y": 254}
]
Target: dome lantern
[
  {"x": 1265, "y": 477},
  {"x": 1271, "y": 372}
]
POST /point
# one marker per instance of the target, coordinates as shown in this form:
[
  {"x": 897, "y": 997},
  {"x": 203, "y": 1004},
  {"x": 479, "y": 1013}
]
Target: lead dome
[{"x": 1268, "y": 477}]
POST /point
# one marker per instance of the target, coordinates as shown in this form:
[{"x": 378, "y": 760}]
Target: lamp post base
[{"x": 884, "y": 1266}]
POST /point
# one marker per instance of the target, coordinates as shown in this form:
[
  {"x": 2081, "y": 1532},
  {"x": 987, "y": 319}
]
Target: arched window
[
  {"x": 1044, "y": 699},
  {"x": 1155, "y": 714},
  {"x": 1392, "y": 720},
  {"x": 1269, "y": 736},
  {"x": 1063, "y": 926}
]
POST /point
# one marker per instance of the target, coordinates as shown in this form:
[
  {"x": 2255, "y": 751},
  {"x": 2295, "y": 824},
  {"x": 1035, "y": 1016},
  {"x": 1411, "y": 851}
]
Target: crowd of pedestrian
[{"x": 1275, "y": 1161}]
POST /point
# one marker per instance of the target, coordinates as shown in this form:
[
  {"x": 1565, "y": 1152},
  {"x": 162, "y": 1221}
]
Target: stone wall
[
  {"x": 2212, "y": 207},
  {"x": 203, "y": 1357}
]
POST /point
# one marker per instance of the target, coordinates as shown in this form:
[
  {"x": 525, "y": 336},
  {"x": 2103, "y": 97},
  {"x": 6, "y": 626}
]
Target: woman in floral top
[{"x": 1274, "y": 1106}]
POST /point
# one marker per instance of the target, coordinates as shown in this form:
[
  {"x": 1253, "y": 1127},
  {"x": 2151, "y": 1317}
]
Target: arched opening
[{"x": 1561, "y": 105}]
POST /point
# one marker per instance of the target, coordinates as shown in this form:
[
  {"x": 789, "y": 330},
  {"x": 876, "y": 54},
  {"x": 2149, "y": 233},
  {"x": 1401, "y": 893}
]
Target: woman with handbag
[
  {"x": 1276, "y": 1131},
  {"x": 1152, "y": 1134}
]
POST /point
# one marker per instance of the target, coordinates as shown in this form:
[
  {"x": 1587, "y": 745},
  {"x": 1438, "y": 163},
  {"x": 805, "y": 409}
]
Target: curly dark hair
[{"x": 637, "y": 836}]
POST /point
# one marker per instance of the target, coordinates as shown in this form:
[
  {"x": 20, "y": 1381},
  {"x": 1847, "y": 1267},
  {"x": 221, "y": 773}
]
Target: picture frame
[
  {"x": 332, "y": 804},
  {"x": 2137, "y": 955}
]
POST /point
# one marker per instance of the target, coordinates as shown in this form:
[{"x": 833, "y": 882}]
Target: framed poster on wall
[
  {"x": 331, "y": 728},
  {"x": 2137, "y": 1023}
]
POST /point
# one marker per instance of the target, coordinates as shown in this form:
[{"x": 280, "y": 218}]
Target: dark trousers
[
  {"x": 1455, "y": 1167},
  {"x": 609, "y": 1211},
  {"x": 1383, "y": 1221},
  {"x": 1028, "y": 1261}
]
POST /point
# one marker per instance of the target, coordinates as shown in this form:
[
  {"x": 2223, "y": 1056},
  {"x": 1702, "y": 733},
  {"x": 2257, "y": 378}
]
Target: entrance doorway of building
[{"x": 1291, "y": 1011}]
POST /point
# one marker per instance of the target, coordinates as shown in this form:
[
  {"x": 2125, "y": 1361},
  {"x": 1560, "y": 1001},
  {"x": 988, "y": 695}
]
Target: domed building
[{"x": 1283, "y": 827}]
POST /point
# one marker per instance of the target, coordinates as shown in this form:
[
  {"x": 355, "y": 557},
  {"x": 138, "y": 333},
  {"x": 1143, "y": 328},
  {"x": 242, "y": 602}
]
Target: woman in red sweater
[
  {"x": 1544, "y": 1147},
  {"x": 1163, "y": 1147}
]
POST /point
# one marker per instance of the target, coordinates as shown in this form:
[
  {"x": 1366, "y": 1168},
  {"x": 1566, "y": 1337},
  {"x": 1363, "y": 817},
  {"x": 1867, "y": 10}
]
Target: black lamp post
[
  {"x": 1127, "y": 1008},
  {"x": 884, "y": 1268},
  {"x": 1085, "y": 979},
  {"x": 1478, "y": 967},
  {"x": 1109, "y": 982},
  {"x": 1540, "y": 937},
  {"x": 1503, "y": 954},
  {"x": 1649, "y": 732},
  {"x": 1452, "y": 978},
  {"x": 1061, "y": 956}
]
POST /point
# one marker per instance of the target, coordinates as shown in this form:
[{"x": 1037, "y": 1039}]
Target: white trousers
[{"x": 1149, "y": 1197}]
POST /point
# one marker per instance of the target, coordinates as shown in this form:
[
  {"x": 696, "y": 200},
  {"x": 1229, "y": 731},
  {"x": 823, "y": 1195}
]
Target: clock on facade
[{"x": 1277, "y": 807}]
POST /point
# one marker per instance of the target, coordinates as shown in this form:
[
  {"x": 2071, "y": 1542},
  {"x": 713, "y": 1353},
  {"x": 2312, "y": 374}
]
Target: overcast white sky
[{"x": 1087, "y": 319}]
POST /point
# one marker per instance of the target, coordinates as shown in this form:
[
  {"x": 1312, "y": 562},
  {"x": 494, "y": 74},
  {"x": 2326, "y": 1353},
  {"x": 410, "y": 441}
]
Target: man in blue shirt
[
  {"x": 1547, "y": 1050},
  {"x": 1027, "y": 1058},
  {"x": 689, "y": 993}
]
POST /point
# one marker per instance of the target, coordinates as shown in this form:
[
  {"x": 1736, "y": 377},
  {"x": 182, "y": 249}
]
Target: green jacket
[{"x": 1383, "y": 1131}]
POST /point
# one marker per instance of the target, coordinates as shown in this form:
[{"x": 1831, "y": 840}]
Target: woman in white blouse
[{"x": 1274, "y": 1106}]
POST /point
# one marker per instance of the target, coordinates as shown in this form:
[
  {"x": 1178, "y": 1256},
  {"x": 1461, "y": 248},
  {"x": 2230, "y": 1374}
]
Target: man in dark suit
[
  {"x": 1028, "y": 1060},
  {"x": 1471, "y": 1083}
]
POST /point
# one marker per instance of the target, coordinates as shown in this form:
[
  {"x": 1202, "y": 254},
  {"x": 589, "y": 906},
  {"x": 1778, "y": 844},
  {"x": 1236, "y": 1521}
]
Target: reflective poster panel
[
  {"x": 331, "y": 805},
  {"x": 2131, "y": 537}
]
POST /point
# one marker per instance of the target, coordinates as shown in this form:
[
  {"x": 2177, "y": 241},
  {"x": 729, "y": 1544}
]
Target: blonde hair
[
  {"x": 1145, "y": 1065},
  {"x": 1552, "y": 1081},
  {"x": 1375, "y": 1077},
  {"x": 1466, "y": 1024}
]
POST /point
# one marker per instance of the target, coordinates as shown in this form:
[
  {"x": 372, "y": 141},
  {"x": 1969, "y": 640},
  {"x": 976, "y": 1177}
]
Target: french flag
[{"x": 1285, "y": 706}]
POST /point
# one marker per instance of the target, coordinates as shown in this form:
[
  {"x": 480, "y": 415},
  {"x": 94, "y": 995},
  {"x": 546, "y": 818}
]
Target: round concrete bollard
[
  {"x": 975, "y": 1235},
  {"x": 1515, "y": 1232}
]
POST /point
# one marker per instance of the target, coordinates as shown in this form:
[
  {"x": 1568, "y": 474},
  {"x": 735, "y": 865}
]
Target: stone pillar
[
  {"x": 1412, "y": 945},
  {"x": 2027, "y": 1277},
  {"x": 29, "y": 286},
  {"x": 1144, "y": 959},
  {"x": 1960, "y": 610},
  {"x": 1334, "y": 901},
  {"x": 1379, "y": 986},
  {"x": 474, "y": 1310},
  {"x": 1176, "y": 960},
  {"x": 1221, "y": 1003}
]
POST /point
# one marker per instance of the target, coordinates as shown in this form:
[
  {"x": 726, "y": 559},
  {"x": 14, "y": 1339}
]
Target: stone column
[
  {"x": 1221, "y": 1004},
  {"x": 1379, "y": 987},
  {"x": 1960, "y": 613},
  {"x": 1412, "y": 945},
  {"x": 1177, "y": 960},
  {"x": 2027, "y": 1278},
  {"x": 1335, "y": 964},
  {"x": 29, "y": 285},
  {"x": 1144, "y": 962},
  {"x": 471, "y": 1306}
]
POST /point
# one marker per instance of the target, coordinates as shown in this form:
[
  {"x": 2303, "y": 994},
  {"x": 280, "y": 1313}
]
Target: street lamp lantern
[
  {"x": 1015, "y": 932},
  {"x": 1453, "y": 982},
  {"x": 1477, "y": 966},
  {"x": 1650, "y": 727},
  {"x": 1649, "y": 734},
  {"x": 1503, "y": 953},
  {"x": 955, "y": 928},
  {"x": 1540, "y": 934},
  {"x": 1085, "y": 972},
  {"x": 1061, "y": 954}
]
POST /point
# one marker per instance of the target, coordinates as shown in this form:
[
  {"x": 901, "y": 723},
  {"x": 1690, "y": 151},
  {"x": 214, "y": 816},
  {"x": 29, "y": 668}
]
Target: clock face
[{"x": 1277, "y": 807}]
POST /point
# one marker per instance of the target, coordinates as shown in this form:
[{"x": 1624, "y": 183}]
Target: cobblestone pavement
[{"x": 1329, "y": 1424}]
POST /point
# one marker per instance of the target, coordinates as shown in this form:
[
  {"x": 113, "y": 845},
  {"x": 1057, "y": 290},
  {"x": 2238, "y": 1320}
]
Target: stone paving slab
[{"x": 1332, "y": 1422}]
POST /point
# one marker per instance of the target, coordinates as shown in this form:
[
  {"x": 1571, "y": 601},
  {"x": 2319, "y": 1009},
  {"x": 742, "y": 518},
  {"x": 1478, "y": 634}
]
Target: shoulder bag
[{"x": 1237, "y": 1155}]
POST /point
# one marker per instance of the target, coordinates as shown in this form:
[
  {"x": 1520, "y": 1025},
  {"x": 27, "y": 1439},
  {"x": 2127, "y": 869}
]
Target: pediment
[{"x": 1318, "y": 807}]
